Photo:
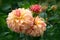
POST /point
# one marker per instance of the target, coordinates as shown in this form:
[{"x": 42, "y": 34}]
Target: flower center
[{"x": 17, "y": 13}]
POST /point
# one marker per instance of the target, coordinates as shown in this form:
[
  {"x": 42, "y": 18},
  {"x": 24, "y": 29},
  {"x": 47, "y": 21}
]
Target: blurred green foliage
[{"x": 53, "y": 24}]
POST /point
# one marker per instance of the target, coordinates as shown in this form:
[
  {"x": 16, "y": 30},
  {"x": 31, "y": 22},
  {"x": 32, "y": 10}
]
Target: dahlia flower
[
  {"x": 20, "y": 19},
  {"x": 36, "y": 8},
  {"x": 38, "y": 27}
]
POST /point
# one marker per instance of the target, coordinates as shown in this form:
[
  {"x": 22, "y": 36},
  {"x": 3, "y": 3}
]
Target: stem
[{"x": 42, "y": 37}]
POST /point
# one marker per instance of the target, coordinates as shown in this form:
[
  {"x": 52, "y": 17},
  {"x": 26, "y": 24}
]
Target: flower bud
[{"x": 36, "y": 8}]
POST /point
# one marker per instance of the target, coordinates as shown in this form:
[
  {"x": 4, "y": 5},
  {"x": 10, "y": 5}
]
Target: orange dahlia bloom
[
  {"x": 20, "y": 19},
  {"x": 38, "y": 28}
]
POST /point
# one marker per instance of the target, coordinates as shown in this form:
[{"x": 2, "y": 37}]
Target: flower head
[
  {"x": 20, "y": 19},
  {"x": 38, "y": 27},
  {"x": 36, "y": 8}
]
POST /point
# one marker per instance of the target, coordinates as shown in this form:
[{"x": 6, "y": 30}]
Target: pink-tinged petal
[
  {"x": 43, "y": 24},
  {"x": 17, "y": 13}
]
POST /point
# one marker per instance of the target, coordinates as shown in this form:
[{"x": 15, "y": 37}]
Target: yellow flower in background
[{"x": 54, "y": 7}]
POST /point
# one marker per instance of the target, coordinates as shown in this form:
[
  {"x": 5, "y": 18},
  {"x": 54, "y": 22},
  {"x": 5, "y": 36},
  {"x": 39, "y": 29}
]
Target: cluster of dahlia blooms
[{"x": 22, "y": 21}]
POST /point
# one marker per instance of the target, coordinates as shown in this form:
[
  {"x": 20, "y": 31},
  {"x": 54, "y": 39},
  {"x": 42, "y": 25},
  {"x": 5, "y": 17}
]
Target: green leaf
[
  {"x": 6, "y": 7},
  {"x": 43, "y": 15}
]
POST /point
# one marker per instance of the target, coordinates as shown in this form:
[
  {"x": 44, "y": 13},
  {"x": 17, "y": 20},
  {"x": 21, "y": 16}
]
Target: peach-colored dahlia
[
  {"x": 20, "y": 19},
  {"x": 36, "y": 8},
  {"x": 38, "y": 27}
]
